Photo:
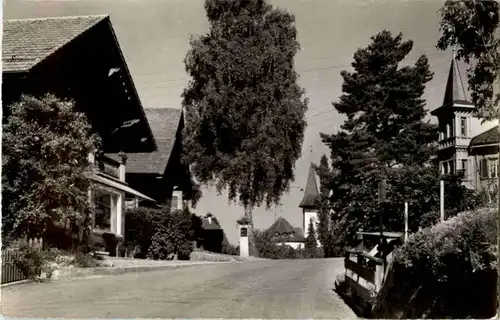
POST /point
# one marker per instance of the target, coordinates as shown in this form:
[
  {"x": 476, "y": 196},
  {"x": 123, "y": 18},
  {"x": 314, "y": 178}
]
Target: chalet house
[
  {"x": 282, "y": 232},
  {"x": 465, "y": 142},
  {"x": 79, "y": 58},
  {"x": 160, "y": 173}
]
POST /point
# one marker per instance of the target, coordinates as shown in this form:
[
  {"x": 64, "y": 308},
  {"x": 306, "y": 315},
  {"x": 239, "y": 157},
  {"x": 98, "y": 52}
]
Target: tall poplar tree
[{"x": 244, "y": 108}]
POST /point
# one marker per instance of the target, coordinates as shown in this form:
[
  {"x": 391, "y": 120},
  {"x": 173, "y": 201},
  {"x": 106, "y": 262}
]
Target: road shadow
[{"x": 356, "y": 308}]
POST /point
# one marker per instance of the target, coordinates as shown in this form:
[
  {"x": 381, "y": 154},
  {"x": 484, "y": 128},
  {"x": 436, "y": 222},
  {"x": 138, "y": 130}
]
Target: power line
[{"x": 182, "y": 81}]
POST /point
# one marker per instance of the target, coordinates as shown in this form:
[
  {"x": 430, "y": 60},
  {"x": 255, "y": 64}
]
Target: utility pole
[
  {"x": 441, "y": 199},
  {"x": 406, "y": 221}
]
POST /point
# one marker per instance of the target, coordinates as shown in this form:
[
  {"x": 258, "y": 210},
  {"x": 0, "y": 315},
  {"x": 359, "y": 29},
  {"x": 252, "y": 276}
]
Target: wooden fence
[
  {"x": 10, "y": 271},
  {"x": 365, "y": 272}
]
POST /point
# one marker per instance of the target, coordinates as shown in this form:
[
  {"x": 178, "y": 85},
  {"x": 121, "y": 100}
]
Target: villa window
[
  {"x": 445, "y": 167},
  {"x": 492, "y": 168},
  {"x": 105, "y": 210},
  {"x": 465, "y": 164},
  {"x": 463, "y": 126},
  {"x": 448, "y": 133},
  {"x": 489, "y": 168}
]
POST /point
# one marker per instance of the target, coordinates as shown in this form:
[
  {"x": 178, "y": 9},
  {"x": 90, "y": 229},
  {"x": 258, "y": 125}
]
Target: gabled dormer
[{"x": 456, "y": 113}]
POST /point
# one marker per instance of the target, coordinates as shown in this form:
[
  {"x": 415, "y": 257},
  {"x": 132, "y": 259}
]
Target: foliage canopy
[
  {"x": 244, "y": 109},
  {"x": 469, "y": 26}
]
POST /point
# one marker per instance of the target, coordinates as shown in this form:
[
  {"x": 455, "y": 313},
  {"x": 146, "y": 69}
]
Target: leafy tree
[
  {"x": 45, "y": 167},
  {"x": 310, "y": 243},
  {"x": 470, "y": 26},
  {"x": 244, "y": 108}
]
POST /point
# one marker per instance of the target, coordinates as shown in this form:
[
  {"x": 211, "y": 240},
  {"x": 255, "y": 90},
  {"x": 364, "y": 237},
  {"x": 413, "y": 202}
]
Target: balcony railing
[{"x": 108, "y": 167}]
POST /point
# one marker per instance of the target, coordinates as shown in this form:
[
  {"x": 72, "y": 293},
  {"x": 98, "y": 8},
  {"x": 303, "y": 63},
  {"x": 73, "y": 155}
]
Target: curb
[
  {"x": 110, "y": 271},
  {"x": 10, "y": 284},
  {"x": 81, "y": 273}
]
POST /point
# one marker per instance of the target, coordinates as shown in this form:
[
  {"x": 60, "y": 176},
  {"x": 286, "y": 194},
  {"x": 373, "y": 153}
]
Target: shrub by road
[{"x": 448, "y": 270}]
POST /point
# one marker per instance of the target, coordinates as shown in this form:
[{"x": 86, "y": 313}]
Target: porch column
[
  {"x": 122, "y": 168},
  {"x": 119, "y": 214}
]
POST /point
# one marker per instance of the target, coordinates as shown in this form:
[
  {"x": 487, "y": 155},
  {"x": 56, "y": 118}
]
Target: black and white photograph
[{"x": 250, "y": 159}]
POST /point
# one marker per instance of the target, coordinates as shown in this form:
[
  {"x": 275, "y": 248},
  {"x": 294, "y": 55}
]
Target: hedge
[{"x": 448, "y": 270}]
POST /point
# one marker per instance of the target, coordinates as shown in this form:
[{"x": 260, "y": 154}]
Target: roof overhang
[
  {"x": 119, "y": 186},
  {"x": 128, "y": 76},
  {"x": 483, "y": 145},
  {"x": 460, "y": 105}
]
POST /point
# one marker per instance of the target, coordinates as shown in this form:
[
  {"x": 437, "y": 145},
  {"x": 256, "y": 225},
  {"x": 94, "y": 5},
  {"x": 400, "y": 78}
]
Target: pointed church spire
[
  {"x": 455, "y": 89},
  {"x": 311, "y": 194}
]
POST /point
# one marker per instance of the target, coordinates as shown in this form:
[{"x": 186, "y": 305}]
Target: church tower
[
  {"x": 457, "y": 126},
  {"x": 310, "y": 202}
]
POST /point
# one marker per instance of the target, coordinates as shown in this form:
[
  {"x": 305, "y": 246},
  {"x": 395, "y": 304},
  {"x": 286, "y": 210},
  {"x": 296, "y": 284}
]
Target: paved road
[{"x": 290, "y": 289}]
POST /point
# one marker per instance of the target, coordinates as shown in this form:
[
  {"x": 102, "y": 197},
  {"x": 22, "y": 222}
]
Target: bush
[
  {"x": 173, "y": 237},
  {"x": 444, "y": 271},
  {"x": 34, "y": 262},
  {"x": 140, "y": 227}
]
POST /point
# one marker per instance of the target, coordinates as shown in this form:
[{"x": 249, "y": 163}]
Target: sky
[{"x": 154, "y": 37}]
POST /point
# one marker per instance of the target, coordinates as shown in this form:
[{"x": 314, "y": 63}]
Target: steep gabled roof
[
  {"x": 282, "y": 231},
  {"x": 311, "y": 194},
  {"x": 280, "y": 226},
  {"x": 209, "y": 224},
  {"x": 27, "y": 42},
  {"x": 488, "y": 137},
  {"x": 164, "y": 123}
]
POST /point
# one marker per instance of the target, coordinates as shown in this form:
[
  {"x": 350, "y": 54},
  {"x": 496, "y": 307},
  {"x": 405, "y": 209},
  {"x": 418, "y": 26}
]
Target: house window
[
  {"x": 463, "y": 126},
  {"x": 464, "y": 166},
  {"x": 105, "y": 210},
  {"x": 483, "y": 170},
  {"x": 175, "y": 203},
  {"x": 492, "y": 168},
  {"x": 444, "y": 167},
  {"x": 448, "y": 133},
  {"x": 451, "y": 167}
]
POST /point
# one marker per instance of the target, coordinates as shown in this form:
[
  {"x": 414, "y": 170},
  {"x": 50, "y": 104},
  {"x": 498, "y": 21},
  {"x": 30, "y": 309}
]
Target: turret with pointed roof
[
  {"x": 455, "y": 94},
  {"x": 311, "y": 194}
]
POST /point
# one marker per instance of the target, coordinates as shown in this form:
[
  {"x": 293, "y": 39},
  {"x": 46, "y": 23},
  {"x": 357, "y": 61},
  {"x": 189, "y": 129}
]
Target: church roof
[
  {"x": 311, "y": 194},
  {"x": 487, "y": 137}
]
